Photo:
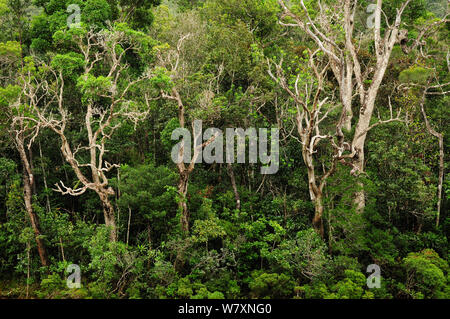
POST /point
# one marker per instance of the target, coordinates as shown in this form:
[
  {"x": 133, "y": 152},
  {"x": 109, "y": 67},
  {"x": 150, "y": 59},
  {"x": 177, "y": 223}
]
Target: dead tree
[
  {"x": 100, "y": 121},
  {"x": 307, "y": 95},
  {"x": 354, "y": 77},
  {"x": 309, "y": 102},
  {"x": 437, "y": 89},
  {"x": 440, "y": 138},
  {"x": 184, "y": 170},
  {"x": 172, "y": 60},
  {"x": 24, "y": 133}
]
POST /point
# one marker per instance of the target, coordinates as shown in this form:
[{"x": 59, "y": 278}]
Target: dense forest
[{"x": 105, "y": 194}]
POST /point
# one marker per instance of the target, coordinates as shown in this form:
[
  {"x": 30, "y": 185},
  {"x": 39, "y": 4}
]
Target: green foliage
[
  {"x": 209, "y": 228},
  {"x": 68, "y": 63},
  {"x": 427, "y": 275},
  {"x": 270, "y": 285},
  {"x": 263, "y": 246},
  {"x": 115, "y": 266},
  {"x": 418, "y": 75},
  {"x": 97, "y": 12}
]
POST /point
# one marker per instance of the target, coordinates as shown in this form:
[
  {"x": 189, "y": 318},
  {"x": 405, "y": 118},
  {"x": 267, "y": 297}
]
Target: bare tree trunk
[
  {"x": 28, "y": 181},
  {"x": 359, "y": 140},
  {"x": 129, "y": 222},
  {"x": 182, "y": 190},
  {"x": 185, "y": 172},
  {"x": 315, "y": 192},
  {"x": 318, "y": 220},
  {"x": 27, "y": 194},
  {"x": 45, "y": 179},
  {"x": 62, "y": 249},
  {"x": 440, "y": 137},
  {"x": 110, "y": 219},
  {"x": 30, "y": 161},
  {"x": 441, "y": 177},
  {"x": 349, "y": 70},
  {"x": 233, "y": 184}
]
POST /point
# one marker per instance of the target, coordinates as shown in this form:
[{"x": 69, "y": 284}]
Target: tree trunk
[
  {"x": 44, "y": 175},
  {"x": 315, "y": 192},
  {"x": 182, "y": 190},
  {"x": 440, "y": 137},
  {"x": 441, "y": 177},
  {"x": 318, "y": 220},
  {"x": 358, "y": 161},
  {"x": 27, "y": 194},
  {"x": 233, "y": 184},
  {"x": 28, "y": 181},
  {"x": 110, "y": 219},
  {"x": 129, "y": 222},
  {"x": 362, "y": 128}
]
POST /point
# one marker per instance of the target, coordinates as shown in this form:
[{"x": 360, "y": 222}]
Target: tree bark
[
  {"x": 110, "y": 219},
  {"x": 27, "y": 194},
  {"x": 348, "y": 70},
  {"x": 233, "y": 184},
  {"x": 440, "y": 137},
  {"x": 44, "y": 175},
  {"x": 182, "y": 190},
  {"x": 318, "y": 220},
  {"x": 28, "y": 181},
  {"x": 315, "y": 192}
]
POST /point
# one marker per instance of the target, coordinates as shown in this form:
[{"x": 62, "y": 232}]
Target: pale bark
[
  {"x": 347, "y": 70},
  {"x": 440, "y": 138},
  {"x": 173, "y": 61},
  {"x": 28, "y": 182},
  {"x": 100, "y": 123},
  {"x": 44, "y": 176},
  {"x": 310, "y": 114},
  {"x": 183, "y": 170},
  {"x": 234, "y": 186}
]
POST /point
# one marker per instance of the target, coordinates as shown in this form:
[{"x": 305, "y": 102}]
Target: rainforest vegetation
[{"x": 91, "y": 92}]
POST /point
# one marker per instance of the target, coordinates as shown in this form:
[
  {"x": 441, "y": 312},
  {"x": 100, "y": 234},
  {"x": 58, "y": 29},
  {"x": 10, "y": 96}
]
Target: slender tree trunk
[
  {"x": 129, "y": 222},
  {"x": 233, "y": 184},
  {"x": 182, "y": 190},
  {"x": 358, "y": 161},
  {"x": 62, "y": 249},
  {"x": 28, "y": 181},
  {"x": 30, "y": 160},
  {"x": 44, "y": 175},
  {"x": 440, "y": 137},
  {"x": 27, "y": 190}
]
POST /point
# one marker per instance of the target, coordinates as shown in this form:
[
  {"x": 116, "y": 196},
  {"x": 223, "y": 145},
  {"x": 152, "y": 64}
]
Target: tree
[
  {"x": 108, "y": 99},
  {"x": 353, "y": 76},
  {"x": 176, "y": 68},
  {"x": 429, "y": 90},
  {"x": 24, "y": 130},
  {"x": 307, "y": 94}
]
